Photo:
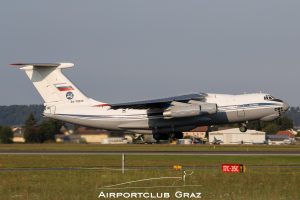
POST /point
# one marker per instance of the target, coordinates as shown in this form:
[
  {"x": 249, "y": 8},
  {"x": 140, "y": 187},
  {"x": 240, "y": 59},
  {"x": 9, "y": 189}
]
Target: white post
[
  {"x": 123, "y": 163},
  {"x": 183, "y": 177}
]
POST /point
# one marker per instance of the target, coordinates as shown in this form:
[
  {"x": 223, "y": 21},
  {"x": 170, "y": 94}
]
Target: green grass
[
  {"x": 275, "y": 184},
  {"x": 140, "y": 147},
  {"x": 37, "y": 161},
  {"x": 270, "y": 182},
  {"x": 84, "y": 176}
]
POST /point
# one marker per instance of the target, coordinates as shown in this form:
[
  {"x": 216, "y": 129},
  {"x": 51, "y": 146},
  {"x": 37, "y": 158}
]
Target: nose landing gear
[{"x": 243, "y": 127}]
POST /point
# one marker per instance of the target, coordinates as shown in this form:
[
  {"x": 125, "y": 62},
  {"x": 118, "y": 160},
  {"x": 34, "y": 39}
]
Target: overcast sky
[{"x": 134, "y": 50}]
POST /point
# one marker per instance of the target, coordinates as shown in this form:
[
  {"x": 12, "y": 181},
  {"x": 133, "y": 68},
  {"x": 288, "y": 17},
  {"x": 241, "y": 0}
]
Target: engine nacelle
[
  {"x": 209, "y": 108},
  {"x": 182, "y": 111},
  {"x": 190, "y": 110}
]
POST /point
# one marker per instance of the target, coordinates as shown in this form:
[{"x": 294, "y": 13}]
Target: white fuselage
[{"x": 231, "y": 109}]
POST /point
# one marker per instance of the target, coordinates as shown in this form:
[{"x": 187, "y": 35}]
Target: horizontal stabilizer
[{"x": 44, "y": 65}]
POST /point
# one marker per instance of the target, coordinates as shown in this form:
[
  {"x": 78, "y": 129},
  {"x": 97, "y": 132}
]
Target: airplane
[
  {"x": 165, "y": 118},
  {"x": 216, "y": 141}
]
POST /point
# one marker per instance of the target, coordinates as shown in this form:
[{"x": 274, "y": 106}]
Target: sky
[{"x": 135, "y": 50}]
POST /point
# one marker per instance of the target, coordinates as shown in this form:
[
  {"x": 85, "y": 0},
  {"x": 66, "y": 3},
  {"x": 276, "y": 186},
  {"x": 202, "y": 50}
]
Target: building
[
  {"x": 234, "y": 136},
  {"x": 114, "y": 140},
  {"x": 199, "y": 132},
  {"x": 289, "y": 133},
  {"x": 282, "y": 137},
  {"x": 18, "y": 138},
  {"x": 61, "y": 138},
  {"x": 184, "y": 141},
  {"x": 83, "y": 135},
  {"x": 18, "y": 134},
  {"x": 92, "y": 135},
  {"x": 279, "y": 139}
]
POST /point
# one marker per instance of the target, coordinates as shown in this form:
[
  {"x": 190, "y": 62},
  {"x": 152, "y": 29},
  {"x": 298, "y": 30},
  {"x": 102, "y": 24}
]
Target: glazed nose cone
[{"x": 286, "y": 106}]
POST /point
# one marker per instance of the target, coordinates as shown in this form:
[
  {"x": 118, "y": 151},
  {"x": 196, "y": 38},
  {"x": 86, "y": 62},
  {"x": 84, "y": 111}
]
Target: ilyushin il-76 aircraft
[{"x": 164, "y": 118}]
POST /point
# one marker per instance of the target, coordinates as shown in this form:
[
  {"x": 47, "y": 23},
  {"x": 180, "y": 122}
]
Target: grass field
[
  {"x": 85, "y": 176},
  {"x": 140, "y": 147}
]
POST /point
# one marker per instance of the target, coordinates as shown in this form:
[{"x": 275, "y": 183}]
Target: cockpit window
[
  {"x": 271, "y": 98},
  {"x": 268, "y": 97}
]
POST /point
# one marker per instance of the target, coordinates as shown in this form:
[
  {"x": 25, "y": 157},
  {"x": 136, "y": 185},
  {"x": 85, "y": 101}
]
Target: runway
[{"x": 203, "y": 153}]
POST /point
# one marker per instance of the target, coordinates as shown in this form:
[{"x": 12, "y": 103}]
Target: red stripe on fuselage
[
  {"x": 102, "y": 105},
  {"x": 65, "y": 88}
]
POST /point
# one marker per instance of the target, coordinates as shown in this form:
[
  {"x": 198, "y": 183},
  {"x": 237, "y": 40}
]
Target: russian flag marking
[{"x": 63, "y": 87}]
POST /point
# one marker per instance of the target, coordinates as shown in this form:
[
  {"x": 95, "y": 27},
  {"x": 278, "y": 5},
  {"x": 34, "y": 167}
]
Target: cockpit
[
  {"x": 271, "y": 98},
  {"x": 268, "y": 97}
]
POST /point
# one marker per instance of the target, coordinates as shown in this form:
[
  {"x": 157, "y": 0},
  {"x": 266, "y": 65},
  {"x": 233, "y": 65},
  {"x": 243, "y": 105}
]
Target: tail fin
[{"x": 53, "y": 86}]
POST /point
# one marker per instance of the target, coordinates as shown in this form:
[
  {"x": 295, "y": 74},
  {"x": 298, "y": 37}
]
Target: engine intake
[{"x": 209, "y": 108}]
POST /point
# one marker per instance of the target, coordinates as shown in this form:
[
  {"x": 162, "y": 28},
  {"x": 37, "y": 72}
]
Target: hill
[{"x": 17, "y": 114}]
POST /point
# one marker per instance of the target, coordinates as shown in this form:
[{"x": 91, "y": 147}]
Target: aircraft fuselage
[{"x": 230, "y": 109}]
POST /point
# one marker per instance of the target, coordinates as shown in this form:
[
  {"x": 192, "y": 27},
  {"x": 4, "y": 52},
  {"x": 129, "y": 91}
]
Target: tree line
[
  {"x": 42, "y": 132},
  {"x": 34, "y": 132},
  {"x": 16, "y": 115},
  {"x": 6, "y": 135},
  {"x": 282, "y": 123}
]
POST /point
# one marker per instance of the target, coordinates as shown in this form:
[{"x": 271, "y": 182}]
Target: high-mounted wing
[{"x": 160, "y": 103}]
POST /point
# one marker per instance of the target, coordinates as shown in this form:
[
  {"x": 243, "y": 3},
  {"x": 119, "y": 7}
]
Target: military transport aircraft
[{"x": 164, "y": 118}]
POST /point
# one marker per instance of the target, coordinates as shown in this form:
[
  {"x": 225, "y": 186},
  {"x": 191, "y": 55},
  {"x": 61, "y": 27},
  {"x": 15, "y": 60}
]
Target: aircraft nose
[{"x": 285, "y": 106}]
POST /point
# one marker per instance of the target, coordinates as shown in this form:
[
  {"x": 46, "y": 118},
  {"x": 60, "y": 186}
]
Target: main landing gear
[
  {"x": 161, "y": 136},
  {"x": 176, "y": 135}
]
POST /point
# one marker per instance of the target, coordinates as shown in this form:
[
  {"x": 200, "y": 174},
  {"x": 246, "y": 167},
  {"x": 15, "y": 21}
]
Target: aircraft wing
[{"x": 160, "y": 103}]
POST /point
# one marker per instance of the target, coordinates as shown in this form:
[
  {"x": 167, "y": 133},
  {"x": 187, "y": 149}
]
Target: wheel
[
  {"x": 164, "y": 136},
  {"x": 159, "y": 136},
  {"x": 178, "y": 135},
  {"x": 243, "y": 128},
  {"x": 156, "y": 136}
]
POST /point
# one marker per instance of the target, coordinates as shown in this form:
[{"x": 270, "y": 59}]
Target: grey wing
[{"x": 160, "y": 103}]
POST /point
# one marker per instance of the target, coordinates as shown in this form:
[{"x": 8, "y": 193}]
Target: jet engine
[{"x": 190, "y": 110}]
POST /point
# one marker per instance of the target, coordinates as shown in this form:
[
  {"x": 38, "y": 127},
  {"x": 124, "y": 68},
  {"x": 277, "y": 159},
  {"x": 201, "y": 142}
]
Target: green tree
[
  {"x": 282, "y": 123},
  {"x": 6, "y": 135},
  {"x": 285, "y": 123},
  {"x": 45, "y": 131},
  {"x": 31, "y": 134},
  {"x": 271, "y": 128},
  {"x": 48, "y": 129},
  {"x": 256, "y": 125}
]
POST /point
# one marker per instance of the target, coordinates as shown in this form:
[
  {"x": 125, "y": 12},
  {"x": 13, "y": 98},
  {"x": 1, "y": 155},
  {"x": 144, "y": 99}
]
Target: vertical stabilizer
[{"x": 54, "y": 87}]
